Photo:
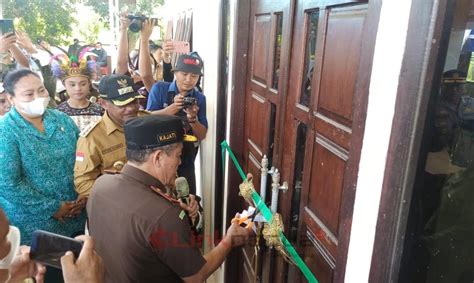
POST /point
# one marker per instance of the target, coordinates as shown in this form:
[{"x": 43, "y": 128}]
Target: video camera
[{"x": 137, "y": 22}]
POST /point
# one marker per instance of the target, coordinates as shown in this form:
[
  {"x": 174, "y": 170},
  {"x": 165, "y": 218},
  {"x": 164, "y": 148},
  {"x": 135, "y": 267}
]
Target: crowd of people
[{"x": 108, "y": 154}]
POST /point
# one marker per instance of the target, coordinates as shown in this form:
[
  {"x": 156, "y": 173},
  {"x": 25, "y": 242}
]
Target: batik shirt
[
  {"x": 83, "y": 117},
  {"x": 36, "y": 172}
]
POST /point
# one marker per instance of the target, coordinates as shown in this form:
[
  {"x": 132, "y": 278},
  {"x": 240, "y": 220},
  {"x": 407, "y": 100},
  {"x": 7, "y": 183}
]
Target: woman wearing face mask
[
  {"x": 76, "y": 78},
  {"x": 37, "y": 150}
]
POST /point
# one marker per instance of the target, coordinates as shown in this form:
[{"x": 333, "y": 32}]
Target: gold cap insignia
[{"x": 122, "y": 83}]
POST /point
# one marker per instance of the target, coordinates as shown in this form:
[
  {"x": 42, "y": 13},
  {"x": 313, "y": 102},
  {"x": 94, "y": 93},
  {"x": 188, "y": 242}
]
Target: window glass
[
  {"x": 298, "y": 180},
  {"x": 309, "y": 60},
  {"x": 277, "y": 51},
  {"x": 439, "y": 244}
]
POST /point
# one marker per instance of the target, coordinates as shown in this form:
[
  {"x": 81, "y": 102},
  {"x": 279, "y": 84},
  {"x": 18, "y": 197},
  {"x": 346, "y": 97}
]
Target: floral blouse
[{"x": 82, "y": 117}]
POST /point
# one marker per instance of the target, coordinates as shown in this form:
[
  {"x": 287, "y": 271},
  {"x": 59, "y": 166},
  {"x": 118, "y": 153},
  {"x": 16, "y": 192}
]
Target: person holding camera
[
  {"x": 183, "y": 99},
  {"x": 127, "y": 64},
  {"x": 145, "y": 57},
  {"x": 145, "y": 66},
  {"x": 88, "y": 268},
  {"x": 11, "y": 56},
  {"x": 21, "y": 266},
  {"x": 122, "y": 48}
]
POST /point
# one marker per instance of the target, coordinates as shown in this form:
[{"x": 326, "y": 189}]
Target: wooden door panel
[
  {"x": 321, "y": 236},
  {"x": 336, "y": 132},
  {"x": 253, "y": 166},
  {"x": 268, "y": 57},
  {"x": 261, "y": 47},
  {"x": 258, "y": 127},
  {"x": 326, "y": 182},
  {"x": 315, "y": 258},
  {"x": 258, "y": 87},
  {"x": 340, "y": 63},
  {"x": 335, "y": 55},
  {"x": 303, "y": 103}
]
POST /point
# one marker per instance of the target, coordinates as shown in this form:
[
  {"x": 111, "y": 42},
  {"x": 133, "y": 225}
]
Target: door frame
[
  {"x": 234, "y": 272},
  {"x": 348, "y": 197},
  {"x": 413, "y": 100}
]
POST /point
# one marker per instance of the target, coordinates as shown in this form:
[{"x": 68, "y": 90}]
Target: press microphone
[
  {"x": 182, "y": 189},
  {"x": 182, "y": 192}
]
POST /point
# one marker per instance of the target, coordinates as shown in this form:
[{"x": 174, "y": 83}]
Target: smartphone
[
  {"x": 6, "y": 26},
  {"x": 181, "y": 46},
  {"x": 48, "y": 248}
]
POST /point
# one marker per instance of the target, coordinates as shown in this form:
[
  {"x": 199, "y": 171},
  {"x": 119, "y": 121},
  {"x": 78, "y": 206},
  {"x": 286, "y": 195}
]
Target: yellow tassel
[
  {"x": 246, "y": 189},
  {"x": 271, "y": 234}
]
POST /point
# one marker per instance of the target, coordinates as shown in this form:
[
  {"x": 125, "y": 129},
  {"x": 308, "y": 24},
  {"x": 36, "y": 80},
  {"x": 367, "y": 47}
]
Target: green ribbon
[
  {"x": 261, "y": 206},
  {"x": 225, "y": 146},
  {"x": 223, "y": 159}
]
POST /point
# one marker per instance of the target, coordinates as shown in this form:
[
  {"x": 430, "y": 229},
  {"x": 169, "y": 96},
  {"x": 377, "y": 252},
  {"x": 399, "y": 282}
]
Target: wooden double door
[{"x": 305, "y": 101}]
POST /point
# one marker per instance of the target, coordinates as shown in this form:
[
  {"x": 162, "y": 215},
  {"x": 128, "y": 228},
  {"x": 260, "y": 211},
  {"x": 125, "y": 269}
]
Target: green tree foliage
[
  {"x": 47, "y": 19},
  {"x": 145, "y": 7},
  {"x": 53, "y": 20},
  {"x": 88, "y": 31},
  {"x": 101, "y": 7}
]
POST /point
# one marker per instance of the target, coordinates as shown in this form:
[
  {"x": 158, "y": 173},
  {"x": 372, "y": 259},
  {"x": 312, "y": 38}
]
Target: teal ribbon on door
[{"x": 266, "y": 212}]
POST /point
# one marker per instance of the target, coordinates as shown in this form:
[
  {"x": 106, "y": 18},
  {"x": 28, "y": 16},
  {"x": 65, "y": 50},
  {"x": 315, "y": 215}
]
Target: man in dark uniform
[
  {"x": 447, "y": 117},
  {"x": 142, "y": 233},
  {"x": 450, "y": 175}
]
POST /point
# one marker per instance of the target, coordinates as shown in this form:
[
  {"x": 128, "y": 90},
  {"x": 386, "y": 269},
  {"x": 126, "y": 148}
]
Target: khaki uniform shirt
[
  {"x": 142, "y": 235},
  {"x": 100, "y": 149}
]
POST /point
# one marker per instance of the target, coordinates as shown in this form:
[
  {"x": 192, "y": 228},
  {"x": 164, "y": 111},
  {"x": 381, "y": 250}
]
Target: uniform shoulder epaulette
[
  {"x": 89, "y": 128},
  {"x": 165, "y": 196}
]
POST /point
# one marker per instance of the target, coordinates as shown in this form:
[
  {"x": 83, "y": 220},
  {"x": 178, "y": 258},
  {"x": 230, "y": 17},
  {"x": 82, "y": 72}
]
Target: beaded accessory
[{"x": 64, "y": 67}]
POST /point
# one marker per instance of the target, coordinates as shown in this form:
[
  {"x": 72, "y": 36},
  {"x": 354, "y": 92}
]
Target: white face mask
[{"x": 35, "y": 108}]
